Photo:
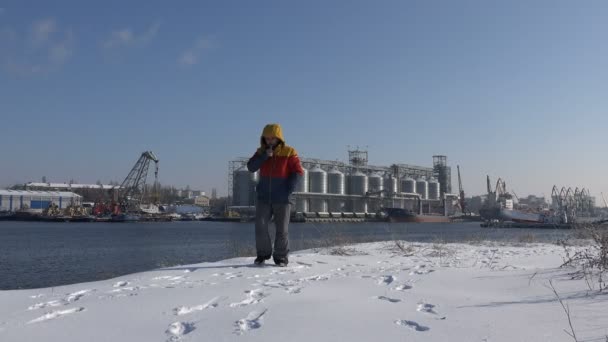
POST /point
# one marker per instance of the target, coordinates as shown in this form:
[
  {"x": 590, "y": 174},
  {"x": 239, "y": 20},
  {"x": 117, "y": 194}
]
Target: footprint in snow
[
  {"x": 421, "y": 271},
  {"x": 412, "y": 325},
  {"x": 124, "y": 289},
  {"x": 402, "y": 287},
  {"x": 386, "y": 280},
  {"x": 211, "y": 304},
  {"x": 177, "y": 330},
  {"x": 253, "y": 321},
  {"x": 55, "y": 314},
  {"x": 293, "y": 290},
  {"x": 391, "y": 300},
  {"x": 70, "y": 298},
  {"x": 253, "y": 297},
  {"x": 44, "y": 305},
  {"x": 318, "y": 277},
  {"x": 428, "y": 308},
  {"x": 74, "y": 297}
]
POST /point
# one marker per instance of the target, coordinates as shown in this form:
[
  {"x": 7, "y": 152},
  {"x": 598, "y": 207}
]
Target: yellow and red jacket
[{"x": 279, "y": 174}]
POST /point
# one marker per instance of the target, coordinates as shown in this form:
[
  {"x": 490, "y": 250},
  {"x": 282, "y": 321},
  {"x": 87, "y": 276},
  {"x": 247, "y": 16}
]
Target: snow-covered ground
[{"x": 432, "y": 292}]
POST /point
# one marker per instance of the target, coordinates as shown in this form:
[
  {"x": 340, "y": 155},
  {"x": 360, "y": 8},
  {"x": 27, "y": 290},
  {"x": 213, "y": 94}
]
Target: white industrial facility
[
  {"x": 14, "y": 200},
  {"x": 332, "y": 186}
]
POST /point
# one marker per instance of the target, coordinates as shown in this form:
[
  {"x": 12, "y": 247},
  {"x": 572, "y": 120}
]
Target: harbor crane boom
[
  {"x": 133, "y": 188},
  {"x": 461, "y": 191}
]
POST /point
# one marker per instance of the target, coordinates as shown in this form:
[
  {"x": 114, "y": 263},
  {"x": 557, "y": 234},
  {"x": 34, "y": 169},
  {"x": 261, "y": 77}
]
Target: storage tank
[
  {"x": 360, "y": 205},
  {"x": 255, "y": 178},
  {"x": 358, "y": 183},
  {"x": 390, "y": 184},
  {"x": 303, "y": 184},
  {"x": 301, "y": 205},
  {"x": 335, "y": 182},
  {"x": 318, "y": 205},
  {"x": 422, "y": 188},
  {"x": 408, "y": 185},
  {"x": 317, "y": 178},
  {"x": 337, "y": 205},
  {"x": 243, "y": 186},
  {"x": 375, "y": 183},
  {"x": 434, "y": 189}
]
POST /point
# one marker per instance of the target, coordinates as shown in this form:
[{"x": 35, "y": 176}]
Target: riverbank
[{"x": 418, "y": 292}]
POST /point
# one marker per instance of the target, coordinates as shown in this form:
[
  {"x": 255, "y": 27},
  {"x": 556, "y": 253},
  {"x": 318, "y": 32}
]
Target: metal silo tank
[
  {"x": 241, "y": 186},
  {"x": 422, "y": 188},
  {"x": 358, "y": 183},
  {"x": 301, "y": 205},
  {"x": 408, "y": 185},
  {"x": 375, "y": 183},
  {"x": 390, "y": 184},
  {"x": 337, "y": 205},
  {"x": 434, "y": 189},
  {"x": 335, "y": 182},
  {"x": 302, "y": 187},
  {"x": 253, "y": 183},
  {"x": 318, "y": 205},
  {"x": 360, "y": 205},
  {"x": 303, "y": 184},
  {"x": 317, "y": 178}
]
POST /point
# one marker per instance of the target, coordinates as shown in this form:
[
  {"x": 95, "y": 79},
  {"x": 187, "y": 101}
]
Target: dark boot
[
  {"x": 281, "y": 261},
  {"x": 260, "y": 260}
]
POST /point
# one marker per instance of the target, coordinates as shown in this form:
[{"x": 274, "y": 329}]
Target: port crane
[
  {"x": 133, "y": 189},
  {"x": 462, "y": 202}
]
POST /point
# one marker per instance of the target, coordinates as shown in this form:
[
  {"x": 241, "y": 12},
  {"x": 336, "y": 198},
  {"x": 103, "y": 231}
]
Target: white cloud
[
  {"x": 119, "y": 38},
  {"x": 60, "y": 52},
  {"x": 150, "y": 34},
  {"x": 126, "y": 37},
  {"x": 188, "y": 58},
  {"x": 192, "y": 55},
  {"x": 42, "y": 30},
  {"x": 44, "y": 47}
]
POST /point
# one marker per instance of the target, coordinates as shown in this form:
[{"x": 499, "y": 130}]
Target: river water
[{"x": 38, "y": 254}]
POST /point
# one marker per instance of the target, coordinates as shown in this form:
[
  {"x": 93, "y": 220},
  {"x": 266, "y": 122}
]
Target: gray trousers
[{"x": 263, "y": 243}]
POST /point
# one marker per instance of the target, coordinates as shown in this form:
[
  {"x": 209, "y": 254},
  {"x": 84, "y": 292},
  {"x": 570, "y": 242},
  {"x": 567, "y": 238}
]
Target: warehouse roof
[
  {"x": 38, "y": 193},
  {"x": 70, "y": 186}
]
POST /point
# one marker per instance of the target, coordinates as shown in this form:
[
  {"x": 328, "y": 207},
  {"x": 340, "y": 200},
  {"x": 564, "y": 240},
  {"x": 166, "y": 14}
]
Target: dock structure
[{"x": 509, "y": 224}]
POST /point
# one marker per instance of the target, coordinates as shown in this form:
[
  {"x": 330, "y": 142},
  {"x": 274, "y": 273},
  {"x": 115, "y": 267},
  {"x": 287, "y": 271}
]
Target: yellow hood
[{"x": 272, "y": 130}]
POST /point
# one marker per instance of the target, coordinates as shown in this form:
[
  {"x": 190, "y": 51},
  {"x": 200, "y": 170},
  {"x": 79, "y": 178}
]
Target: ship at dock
[
  {"x": 395, "y": 215},
  {"x": 569, "y": 206}
]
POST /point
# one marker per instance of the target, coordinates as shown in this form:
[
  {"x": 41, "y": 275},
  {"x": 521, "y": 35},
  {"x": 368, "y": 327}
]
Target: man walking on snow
[{"x": 280, "y": 172}]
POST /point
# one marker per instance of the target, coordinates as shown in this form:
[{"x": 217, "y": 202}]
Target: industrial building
[
  {"x": 356, "y": 186},
  {"x": 67, "y": 186},
  {"x": 13, "y": 200},
  {"x": 201, "y": 201}
]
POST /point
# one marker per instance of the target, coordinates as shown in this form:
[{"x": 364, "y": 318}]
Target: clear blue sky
[{"x": 515, "y": 89}]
